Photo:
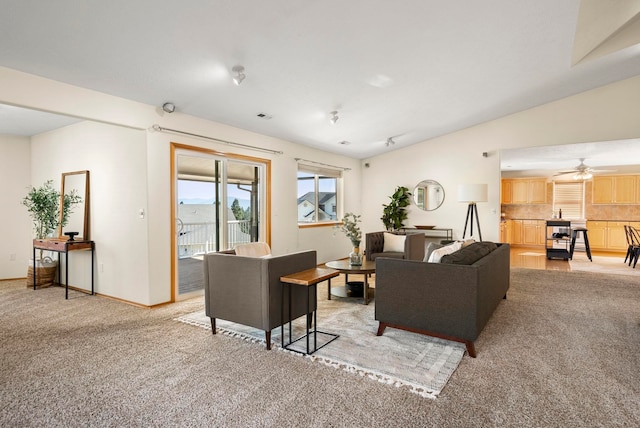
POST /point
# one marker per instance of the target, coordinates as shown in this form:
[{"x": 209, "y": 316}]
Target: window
[
  {"x": 568, "y": 196},
  {"x": 317, "y": 194}
]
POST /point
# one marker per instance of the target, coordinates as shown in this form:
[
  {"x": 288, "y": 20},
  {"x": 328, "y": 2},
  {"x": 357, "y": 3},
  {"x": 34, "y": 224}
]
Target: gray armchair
[
  {"x": 414, "y": 245},
  {"x": 248, "y": 291}
]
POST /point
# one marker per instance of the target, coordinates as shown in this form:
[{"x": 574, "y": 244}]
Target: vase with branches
[{"x": 351, "y": 229}]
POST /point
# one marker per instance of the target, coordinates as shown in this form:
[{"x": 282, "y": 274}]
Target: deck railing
[{"x": 199, "y": 238}]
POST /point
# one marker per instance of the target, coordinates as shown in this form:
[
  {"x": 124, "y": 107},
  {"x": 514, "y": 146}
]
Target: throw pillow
[
  {"x": 469, "y": 255},
  {"x": 436, "y": 255},
  {"x": 467, "y": 242},
  {"x": 393, "y": 243},
  {"x": 430, "y": 249},
  {"x": 253, "y": 249}
]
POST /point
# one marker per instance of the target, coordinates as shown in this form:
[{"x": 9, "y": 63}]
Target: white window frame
[
  {"x": 572, "y": 208},
  {"x": 318, "y": 174}
]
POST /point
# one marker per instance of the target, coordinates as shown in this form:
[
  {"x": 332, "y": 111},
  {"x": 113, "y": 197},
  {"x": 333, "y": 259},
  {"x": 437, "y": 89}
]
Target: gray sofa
[
  {"x": 248, "y": 291},
  {"x": 450, "y": 301},
  {"x": 413, "y": 246}
]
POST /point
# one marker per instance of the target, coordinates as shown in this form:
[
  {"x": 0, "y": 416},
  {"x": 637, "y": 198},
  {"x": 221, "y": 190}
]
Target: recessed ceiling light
[{"x": 264, "y": 116}]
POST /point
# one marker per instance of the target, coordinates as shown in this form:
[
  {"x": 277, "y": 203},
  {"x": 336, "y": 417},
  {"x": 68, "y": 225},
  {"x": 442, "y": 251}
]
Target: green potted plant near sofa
[
  {"x": 394, "y": 214},
  {"x": 43, "y": 205}
]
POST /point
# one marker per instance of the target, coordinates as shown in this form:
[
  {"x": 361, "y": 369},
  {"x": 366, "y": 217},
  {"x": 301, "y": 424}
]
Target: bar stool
[{"x": 574, "y": 233}]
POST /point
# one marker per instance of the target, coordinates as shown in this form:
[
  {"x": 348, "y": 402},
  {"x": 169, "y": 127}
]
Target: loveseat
[
  {"x": 248, "y": 291},
  {"x": 447, "y": 300},
  {"x": 410, "y": 246}
]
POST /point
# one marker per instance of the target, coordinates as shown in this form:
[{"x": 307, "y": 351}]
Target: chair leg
[
  {"x": 213, "y": 325},
  {"x": 267, "y": 337},
  {"x": 381, "y": 328}
]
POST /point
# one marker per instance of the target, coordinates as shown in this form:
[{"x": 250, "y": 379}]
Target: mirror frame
[
  {"x": 420, "y": 186},
  {"x": 85, "y": 199}
]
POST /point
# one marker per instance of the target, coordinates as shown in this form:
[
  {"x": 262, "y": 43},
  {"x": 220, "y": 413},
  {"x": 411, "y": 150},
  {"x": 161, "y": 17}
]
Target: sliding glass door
[{"x": 218, "y": 203}]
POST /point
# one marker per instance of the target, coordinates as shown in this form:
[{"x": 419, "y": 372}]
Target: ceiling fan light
[{"x": 582, "y": 175}]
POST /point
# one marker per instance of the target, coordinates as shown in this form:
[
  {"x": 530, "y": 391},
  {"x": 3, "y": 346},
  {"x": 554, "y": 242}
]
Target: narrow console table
[
  {"x": 307, "y": 278},
  {"x": 61, "y": 246},
  {"x": 436, "y": 232}
]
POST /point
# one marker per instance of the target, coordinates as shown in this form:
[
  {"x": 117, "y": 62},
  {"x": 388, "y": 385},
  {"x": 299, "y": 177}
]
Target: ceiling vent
[{"x": 264, "y": 116}]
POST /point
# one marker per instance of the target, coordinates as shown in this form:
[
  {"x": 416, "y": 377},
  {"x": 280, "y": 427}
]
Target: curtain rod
[
  {"x": 324, "y": 164},
  {"x": 157, "y": 127}
]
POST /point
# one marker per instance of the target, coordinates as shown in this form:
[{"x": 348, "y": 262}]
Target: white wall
[
  {"x": 603, "y": 114},
  {"x": 116, "y": 159},
  {"x": 15, "y": 227}
]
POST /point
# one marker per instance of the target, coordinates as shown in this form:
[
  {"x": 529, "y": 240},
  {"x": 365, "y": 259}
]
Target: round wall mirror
[{"x": 428, "y": 195}]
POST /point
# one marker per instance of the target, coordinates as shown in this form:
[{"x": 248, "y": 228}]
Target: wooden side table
[
  {"x": 62, "y": 246},
  {"x": 307, "y": 278}
]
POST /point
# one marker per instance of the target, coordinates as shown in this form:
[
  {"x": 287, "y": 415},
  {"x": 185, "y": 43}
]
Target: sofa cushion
[
  {"x": 393, "y": 243},
  {"x": 430, "y": 249},
  {"x": 437, "y": 255},
  {"x": 470, "y": 254}
]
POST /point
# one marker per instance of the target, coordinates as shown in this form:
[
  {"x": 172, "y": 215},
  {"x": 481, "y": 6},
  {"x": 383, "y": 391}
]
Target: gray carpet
[{"x": 562, "y": 350}]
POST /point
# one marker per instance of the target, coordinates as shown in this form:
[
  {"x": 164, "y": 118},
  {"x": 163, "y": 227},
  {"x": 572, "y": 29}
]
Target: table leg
[
  {"x": 329, "y": 289},
  {"x": 92, "y": 249},
  {"x": 34, "y": 268},
  {"x": 366, "y": 290},
  {"x": 66, "y": 276}
]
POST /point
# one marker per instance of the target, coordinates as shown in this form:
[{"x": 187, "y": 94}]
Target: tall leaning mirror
[
  {"x": 74, "y": 203},
  {"x": 428, "y": 195}
]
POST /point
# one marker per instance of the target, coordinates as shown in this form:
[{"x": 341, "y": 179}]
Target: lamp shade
[{"x": 472, "y": 193}]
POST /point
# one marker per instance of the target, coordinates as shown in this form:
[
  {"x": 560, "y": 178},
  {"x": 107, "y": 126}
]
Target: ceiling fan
[{"x": 582, "y": 171}]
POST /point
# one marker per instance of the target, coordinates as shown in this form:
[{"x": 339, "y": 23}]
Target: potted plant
[
  {"x": 43, "y": 205},
  {"x": 352, "y": 230},
  {"x": 394, "y": 214}
]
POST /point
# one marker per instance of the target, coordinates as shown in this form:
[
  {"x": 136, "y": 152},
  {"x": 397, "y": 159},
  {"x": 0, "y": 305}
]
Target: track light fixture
[
  {"x": 239, "y": 74},
  {"x": 334, "y": 117},
  {"x": 389, "y": 142}
]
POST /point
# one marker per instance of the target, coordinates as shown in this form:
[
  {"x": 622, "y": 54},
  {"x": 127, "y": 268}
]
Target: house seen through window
[{"x": 317, "y": 194}]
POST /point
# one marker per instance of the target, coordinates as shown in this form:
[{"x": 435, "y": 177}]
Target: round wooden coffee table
[{"x": 368, "y": 267}]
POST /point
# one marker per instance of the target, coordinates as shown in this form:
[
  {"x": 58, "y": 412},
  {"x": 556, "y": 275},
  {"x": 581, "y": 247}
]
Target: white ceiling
[{"x": 411, "y": 69}]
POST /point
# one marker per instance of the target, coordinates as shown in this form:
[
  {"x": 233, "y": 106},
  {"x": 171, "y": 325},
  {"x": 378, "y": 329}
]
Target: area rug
[
  {"x": 602, "y": 264},
  {"x": 419, "y": 363}
]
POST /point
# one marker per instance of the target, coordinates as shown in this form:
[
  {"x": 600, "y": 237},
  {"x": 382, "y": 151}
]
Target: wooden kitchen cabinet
[
  {"x": 616, "y": 189},
  {"x": 506, "y": 192},
  {"x": 597, "y": 231},
  {"x": 519, "y": 191},
  {"x": 524, "y": 191},
  {"x": 538, "y": 191},
  {"x": 529, "y": 232},
  {"x": 607, "y": 235},
  {"x": 616, "y": 236},
  {"x": 516, "y": 232}
]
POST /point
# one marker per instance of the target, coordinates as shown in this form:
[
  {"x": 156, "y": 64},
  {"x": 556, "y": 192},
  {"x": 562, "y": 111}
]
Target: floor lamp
[{"x": 472, "y": 193}]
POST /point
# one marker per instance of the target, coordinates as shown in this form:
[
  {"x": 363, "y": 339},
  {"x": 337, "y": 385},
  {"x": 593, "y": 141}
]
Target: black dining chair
[{"x": 634, "y": 234}]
